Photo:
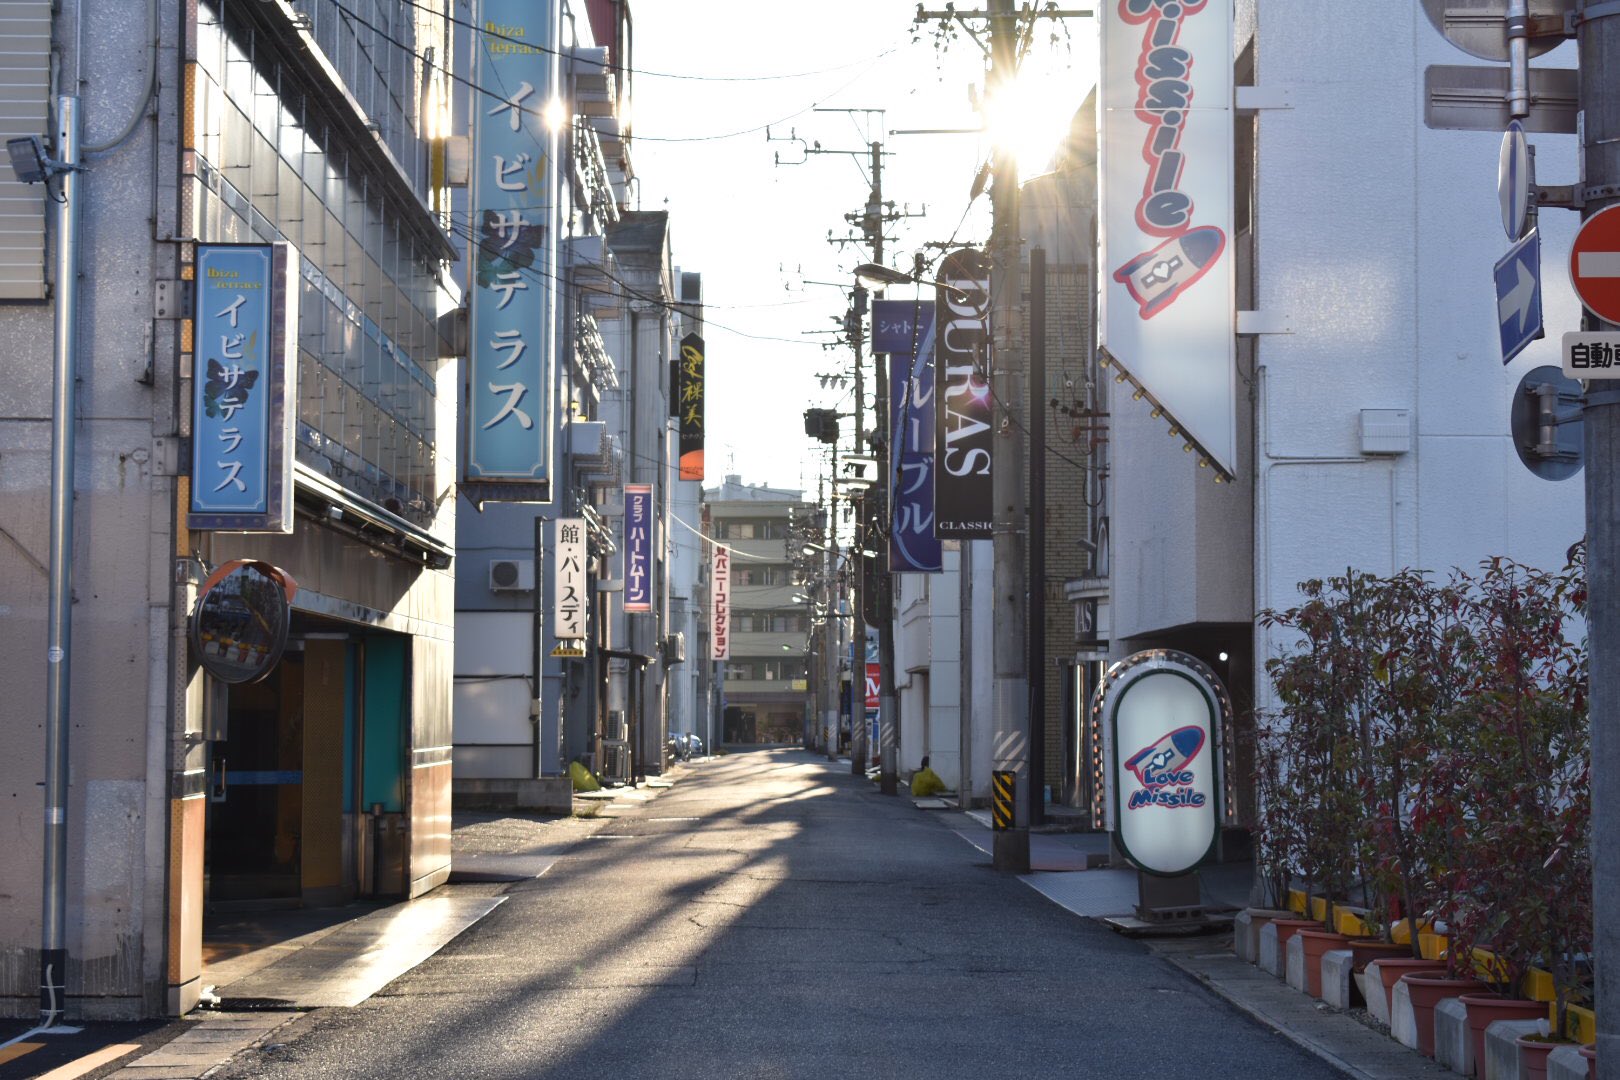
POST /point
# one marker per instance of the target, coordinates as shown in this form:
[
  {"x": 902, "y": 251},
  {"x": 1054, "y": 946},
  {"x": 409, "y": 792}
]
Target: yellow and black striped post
[{"x": 1003, "y": 783}]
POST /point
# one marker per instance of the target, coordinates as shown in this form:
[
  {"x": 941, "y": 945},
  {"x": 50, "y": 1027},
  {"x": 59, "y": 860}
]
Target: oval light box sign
[{"x": 1164, "y": 717}]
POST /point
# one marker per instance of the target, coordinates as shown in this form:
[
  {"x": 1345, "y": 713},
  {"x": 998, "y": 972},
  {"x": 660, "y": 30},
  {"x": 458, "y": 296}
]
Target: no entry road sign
[{"x": 1594, "y": 264}]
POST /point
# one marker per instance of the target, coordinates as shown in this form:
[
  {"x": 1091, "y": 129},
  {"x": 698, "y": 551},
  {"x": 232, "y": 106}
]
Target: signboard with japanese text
[
  {"x": 638, "y": 530},
  {"x": 720, "y": 603},
  {"x": 964, "y": 434},
  {"x": 1166, "y": 165},
  {"x": 905, "y": 330},
  {"x": 1592, "y": 355},
  {"x": 511, "y": 339},
  {"x": 245, "y": 369},
  {"x": 689, "y": 407},
  {"x": 568, "y": 587}
]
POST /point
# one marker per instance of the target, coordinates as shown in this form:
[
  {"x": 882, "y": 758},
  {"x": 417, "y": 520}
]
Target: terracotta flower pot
[
  {"x": 1426, "y": 990},
  {"x": 1287, "y": 928},
  {"x": 1391, "y": 969},
  {"x": 1317, "y": 942},
  {"x": 1485, "y": 1009},
  {"x": 1533, "y": 1051},
  {"x": 1367, "y": 950},
  {"x": 1589, "y": 1052}
]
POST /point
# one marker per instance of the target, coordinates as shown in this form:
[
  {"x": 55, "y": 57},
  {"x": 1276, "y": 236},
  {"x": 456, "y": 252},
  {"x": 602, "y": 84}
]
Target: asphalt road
[{"x": 772, "y": 916}]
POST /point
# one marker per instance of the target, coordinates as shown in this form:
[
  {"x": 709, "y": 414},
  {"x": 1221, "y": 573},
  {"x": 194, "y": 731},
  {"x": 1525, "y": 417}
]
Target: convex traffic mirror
[{"x": 240, "y": 625}]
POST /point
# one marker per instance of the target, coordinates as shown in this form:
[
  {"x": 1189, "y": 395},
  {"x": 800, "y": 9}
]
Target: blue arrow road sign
[{"x": 1518, "y": 295}]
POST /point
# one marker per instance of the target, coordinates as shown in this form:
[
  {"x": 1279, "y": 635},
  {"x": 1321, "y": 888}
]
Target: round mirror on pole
[{"x": 240, "y": 623}]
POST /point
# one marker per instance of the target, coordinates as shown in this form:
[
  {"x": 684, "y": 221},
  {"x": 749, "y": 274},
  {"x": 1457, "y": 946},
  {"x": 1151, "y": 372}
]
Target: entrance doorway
[
  {"x": 255, "y": 793},
  {"x": 307, "y": 773}
]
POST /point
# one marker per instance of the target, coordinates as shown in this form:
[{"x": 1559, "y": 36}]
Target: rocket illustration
[
  {"x": 1170, "y": 754},
  {"x": 1157, "y": 277}
]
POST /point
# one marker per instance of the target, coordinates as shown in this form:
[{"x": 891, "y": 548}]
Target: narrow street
[{"x": 772, "y": 916}]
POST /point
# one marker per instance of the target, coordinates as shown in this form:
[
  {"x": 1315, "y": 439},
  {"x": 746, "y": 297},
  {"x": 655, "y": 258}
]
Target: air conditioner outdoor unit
[
  {"x": 511, "y": 575},
  {"x": 675, "y": 648}
]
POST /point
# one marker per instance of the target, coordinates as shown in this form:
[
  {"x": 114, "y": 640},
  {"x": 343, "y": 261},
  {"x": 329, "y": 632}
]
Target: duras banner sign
[
  {"x": 689, "y": 401},
  {"x": 720, "y": 603},
  {"x": 905, "y": 330},
  {"x": 568, "y": 580},
  {"x": 1164, "y": 717},
  {"x": 510, "y": 337},
  {"x": 246, "y": 367},
  {"x": 638, "y": 520},
  {"x": 963, "y": 414},
  {"x": 1166, "y": 224}
]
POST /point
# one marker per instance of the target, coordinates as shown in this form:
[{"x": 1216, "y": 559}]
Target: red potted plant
[{"x": 1518, "y": 877}]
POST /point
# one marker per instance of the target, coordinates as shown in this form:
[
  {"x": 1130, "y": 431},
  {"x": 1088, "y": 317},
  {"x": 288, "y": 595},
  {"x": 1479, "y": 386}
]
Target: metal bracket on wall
[
  {"x": 171, "y": 299},
  {"x": 1255, "y": 98},
  {"x": 1264, "y": 322},
  {"x": 170, "y": 453}
]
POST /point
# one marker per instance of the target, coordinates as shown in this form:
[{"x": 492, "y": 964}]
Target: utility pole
[
  {"x": 871, "y": 219},
  {"x": 855, "y": 325},
  {"x": 1037, "y": 535},
  {"x": 833, "y": 636},
  {"x": 888, "y": 757},
  {"x": 1010, "y": 686},
  {"x": 1598, "y": 37},
  {"x": 1012, "y": 736}
]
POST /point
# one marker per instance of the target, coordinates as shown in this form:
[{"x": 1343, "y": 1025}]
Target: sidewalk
[
  {"x": 1340, "y": 1039},
  {"x": 269, "y": 969}
]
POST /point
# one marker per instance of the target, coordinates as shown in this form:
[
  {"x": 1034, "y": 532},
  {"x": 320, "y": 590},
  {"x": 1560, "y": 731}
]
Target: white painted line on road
[{"x": 1598, "y": 264}]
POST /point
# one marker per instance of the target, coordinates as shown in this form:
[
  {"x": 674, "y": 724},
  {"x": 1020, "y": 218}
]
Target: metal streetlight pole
[{"x": 59, "y": 609}]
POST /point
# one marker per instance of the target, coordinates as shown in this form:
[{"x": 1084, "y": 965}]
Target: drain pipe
[{"x": 58, "y": 634}]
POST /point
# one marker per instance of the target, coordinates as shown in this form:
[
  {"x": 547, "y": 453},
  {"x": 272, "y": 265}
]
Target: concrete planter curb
[
  {"x": 1246, "y": 929},
  {"x": 1453, "y": 1043},
  {"x": 1294, "y": 964},
  {"x": 1270, "y": 955},
  {"x": 1339, "y": 988},
  {"x": 1402, "y": 1021},
  {"x": 1502, "y": 1047},
  {"x": 1566, "y": 1063}
]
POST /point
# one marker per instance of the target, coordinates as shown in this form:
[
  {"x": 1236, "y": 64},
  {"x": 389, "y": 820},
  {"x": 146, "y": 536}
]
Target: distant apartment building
[{"x": 765, "y": 676}]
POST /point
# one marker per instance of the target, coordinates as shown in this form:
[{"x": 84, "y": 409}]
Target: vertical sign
[
  {"x": 963, "y": 432},
  {"x": 638, "y": 547},
  {"x": 1166, "y": 153},
  {"x": 241, "y": 426},
  {"x": 720, "y": 603},
  {"x": 905, "y": 330},
  {"x": 689, "y": 401},
  {"x": 568, "y": 580},
  {"x": 510, "y": 336}
]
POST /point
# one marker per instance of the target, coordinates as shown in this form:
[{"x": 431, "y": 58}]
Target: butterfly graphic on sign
[{"x": 227, "y": 388}]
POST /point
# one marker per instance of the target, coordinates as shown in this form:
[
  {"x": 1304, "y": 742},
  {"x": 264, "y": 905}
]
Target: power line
[
  {"x": 465, "y": 232},
  {"x": 642, "y": 71},
  {"x": 505, "y": 99}
]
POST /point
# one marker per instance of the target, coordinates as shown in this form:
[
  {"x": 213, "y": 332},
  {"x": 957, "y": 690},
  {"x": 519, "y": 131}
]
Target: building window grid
[
  {"x": 366, "y": 408},
  {"x": 764, "y": 670}
]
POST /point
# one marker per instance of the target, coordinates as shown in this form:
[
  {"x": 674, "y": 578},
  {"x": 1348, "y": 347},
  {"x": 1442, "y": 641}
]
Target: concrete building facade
[
  {"x": 765, "y": 677},
  {"x": 246, "y": 124}
]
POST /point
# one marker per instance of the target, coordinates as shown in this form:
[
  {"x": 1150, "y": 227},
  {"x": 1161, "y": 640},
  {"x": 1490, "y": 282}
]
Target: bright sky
[{"x": 757, "y": 231}]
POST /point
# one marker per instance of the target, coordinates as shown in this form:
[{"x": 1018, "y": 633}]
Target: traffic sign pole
[{"x": 1598, "y": 37}]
